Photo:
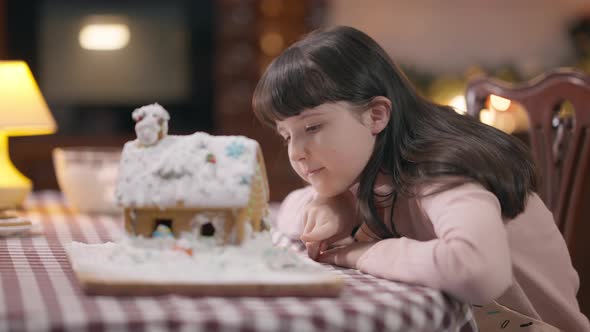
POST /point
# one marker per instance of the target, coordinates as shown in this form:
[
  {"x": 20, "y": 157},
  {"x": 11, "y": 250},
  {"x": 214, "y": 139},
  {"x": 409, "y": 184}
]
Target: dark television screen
[{"x": 168, "y": 59}]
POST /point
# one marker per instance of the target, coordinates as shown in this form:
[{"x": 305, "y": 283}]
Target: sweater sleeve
[
  {"x": 469, "y": 259},
  {"x": 290, "y": 216}
]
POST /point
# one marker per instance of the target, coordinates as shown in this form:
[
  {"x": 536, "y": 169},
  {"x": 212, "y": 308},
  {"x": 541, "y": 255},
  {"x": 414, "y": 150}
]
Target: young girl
[{"x": 431, "y": 197}]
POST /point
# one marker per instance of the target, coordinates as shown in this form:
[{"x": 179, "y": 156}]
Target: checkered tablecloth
[{"x": 39, "y": 292}]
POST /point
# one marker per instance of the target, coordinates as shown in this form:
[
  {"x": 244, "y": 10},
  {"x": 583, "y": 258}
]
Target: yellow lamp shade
[{"x": 23, "y": 111}]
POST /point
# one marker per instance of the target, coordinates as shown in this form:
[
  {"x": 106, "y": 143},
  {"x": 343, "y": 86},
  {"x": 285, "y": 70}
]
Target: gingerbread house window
[
  {"x": 207, "y": 229},
  {"x": 164, "y": 222}
]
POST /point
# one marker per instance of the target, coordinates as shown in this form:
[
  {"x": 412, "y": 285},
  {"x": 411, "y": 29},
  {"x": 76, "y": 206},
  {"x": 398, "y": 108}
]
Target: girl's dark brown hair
[{"x": 424, "y": 143}]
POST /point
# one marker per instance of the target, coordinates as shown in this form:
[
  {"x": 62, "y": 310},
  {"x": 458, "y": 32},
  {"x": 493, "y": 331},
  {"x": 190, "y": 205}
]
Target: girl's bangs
[{"x": 290, "y": 85}]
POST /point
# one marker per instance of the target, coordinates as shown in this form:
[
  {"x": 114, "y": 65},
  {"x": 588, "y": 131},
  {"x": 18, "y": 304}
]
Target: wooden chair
[{"x": 560, "y": 143}]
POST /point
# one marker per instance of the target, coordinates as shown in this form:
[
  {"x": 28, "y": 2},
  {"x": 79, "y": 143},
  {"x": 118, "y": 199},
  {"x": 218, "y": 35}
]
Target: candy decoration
[
  {"x": 234, "y": 150},
  {"x": 210, "y": 158},
  {"x": 162, "y": 231},
  {"x": 188, "y": 251}
]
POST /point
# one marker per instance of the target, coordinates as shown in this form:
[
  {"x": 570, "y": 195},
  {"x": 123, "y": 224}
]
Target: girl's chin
[{"x": 327, "y": 191}]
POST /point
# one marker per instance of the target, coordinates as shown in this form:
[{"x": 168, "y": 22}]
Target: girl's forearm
[{"x": 470, "y": 258}]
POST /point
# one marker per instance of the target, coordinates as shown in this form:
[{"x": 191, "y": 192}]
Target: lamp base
[
  {"x": 14, "y": 186},
  {"x": 13, "y": 197}
]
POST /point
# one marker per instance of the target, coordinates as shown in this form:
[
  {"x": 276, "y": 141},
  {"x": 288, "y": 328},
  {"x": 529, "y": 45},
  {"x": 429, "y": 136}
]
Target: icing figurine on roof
[
  {"x": 197, "y": 183},
  {"x": 151, "y": 123}
]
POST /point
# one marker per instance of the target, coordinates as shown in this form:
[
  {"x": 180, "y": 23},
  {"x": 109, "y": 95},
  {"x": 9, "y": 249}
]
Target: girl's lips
[{"x": 314, "y": 171}]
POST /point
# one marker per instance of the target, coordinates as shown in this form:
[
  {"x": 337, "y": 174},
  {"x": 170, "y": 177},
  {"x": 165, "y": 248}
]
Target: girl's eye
[{"x": 313, "y": 128}]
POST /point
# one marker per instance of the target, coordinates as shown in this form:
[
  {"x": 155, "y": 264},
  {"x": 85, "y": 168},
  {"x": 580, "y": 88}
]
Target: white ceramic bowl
[{"x": 87, "y": 176}]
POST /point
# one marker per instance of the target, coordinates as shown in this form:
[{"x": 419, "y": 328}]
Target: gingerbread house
[{"x": 198, "y": 184}]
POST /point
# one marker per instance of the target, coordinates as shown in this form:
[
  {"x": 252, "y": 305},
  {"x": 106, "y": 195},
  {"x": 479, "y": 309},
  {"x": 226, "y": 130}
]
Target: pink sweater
[{"x": 456, "y": 241}]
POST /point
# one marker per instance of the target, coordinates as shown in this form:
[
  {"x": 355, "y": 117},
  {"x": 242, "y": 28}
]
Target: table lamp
[{"x": 23, "y": 111}]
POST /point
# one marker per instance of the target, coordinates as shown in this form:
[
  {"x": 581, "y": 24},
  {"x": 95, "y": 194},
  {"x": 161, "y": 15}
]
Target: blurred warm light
[
  {"x": 448, "y": 90},
  {"x": 487, "y": 116},
  {"x": 504, "y": 115},
  {"x": 507, "y": 122},
  {"x": 521, "y": 117},
  {"x": 104, "y": 36},
  {"x": 459, "y": 104},
  {"x": 271, "y": 43},
  {"x": 499, "y": 103}
]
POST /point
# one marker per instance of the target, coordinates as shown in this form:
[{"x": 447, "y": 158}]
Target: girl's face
[{"x": 328, "y": 145}]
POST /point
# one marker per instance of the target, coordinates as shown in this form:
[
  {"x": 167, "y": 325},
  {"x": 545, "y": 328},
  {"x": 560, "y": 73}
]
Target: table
[{"x": 40, "y": 292}]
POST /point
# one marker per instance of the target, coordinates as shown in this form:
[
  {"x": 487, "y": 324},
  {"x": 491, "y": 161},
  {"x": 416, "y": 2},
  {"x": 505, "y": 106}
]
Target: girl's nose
[{"x": 297, "y": 150}]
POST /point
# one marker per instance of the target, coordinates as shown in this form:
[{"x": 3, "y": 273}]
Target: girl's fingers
[
  {"x": 334, "y": 256},
  {"x": 319, "y": 232},
  {"x": 313, "y": 249},
  {"x": 323, "y": 246},
  {"x": 307, "y": 237},
  {"x": 309, "y": 223},
  {"x": 338, "y": 241},
  {"x": 346, "y": 256},
  {"x": 334, "y": 242}
]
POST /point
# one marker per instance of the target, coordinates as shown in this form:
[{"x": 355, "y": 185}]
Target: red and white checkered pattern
[{"x": 40, "y": 292}]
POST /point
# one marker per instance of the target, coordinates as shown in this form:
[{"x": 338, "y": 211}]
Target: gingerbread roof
[{"x": 198, "y": 170}]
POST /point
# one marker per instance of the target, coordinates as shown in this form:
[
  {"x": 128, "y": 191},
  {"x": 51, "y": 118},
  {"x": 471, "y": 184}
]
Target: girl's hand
[
  {"x": 345, "y": 256},
  {"x": 328, "y": 220}
]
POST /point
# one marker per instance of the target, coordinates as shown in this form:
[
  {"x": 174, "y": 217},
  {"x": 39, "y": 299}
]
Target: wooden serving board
[
  {"x": 322, "y": 285},
  {"x": 114, "y": 269}
]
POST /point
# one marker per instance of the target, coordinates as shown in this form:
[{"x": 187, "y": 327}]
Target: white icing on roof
[{"x": 200, "y": 170}]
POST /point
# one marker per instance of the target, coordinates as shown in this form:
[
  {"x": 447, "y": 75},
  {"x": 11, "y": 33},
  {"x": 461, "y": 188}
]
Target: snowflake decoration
[{"x": 235, "y": 150}]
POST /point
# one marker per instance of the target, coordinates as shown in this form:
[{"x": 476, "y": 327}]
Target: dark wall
[{"x": 2, "y": 29}]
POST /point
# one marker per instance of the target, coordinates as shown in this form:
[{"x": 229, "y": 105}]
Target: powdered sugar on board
[{"x": 200, "y": 262}]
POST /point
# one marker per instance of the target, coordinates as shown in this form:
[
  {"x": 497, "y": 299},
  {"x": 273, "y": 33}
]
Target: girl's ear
[{"x": 376, "y": 117}]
